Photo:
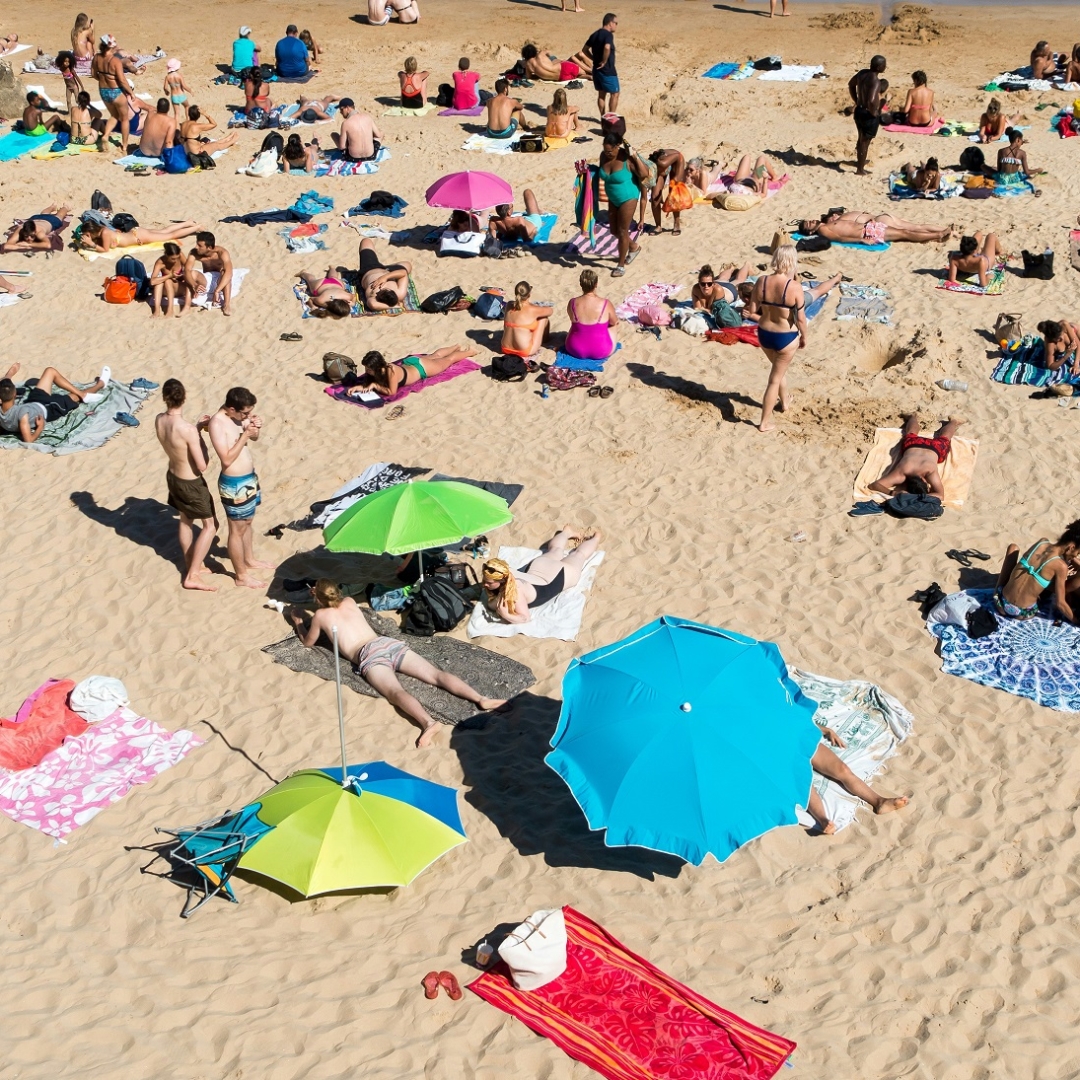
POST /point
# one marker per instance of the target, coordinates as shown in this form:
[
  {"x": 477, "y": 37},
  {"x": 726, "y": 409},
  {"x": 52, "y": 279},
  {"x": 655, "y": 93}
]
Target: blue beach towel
[
  {"x": 14, "y": 144},
  {"x": 395, "y": 211},
  {"x": 543, "y": 232},
  {"x": 574, "y": 363},
  {"x": 721, "y": 70},
  {"x": 843, "y": 243},
  {"x": 311, "y": 202}
]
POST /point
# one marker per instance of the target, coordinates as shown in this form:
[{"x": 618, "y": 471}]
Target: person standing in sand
[
  {"x": 772, "y": 9},
  {"x": 214, "y": 259},
  {"x": 600, "y": 49},
  {"x": 232, "y": 428},
  {"x": 379, "y": 659},
  {"x": 108, "y": 69},
  {"x": 865, "y": 91},
  {"x": 188, "y": 494}
]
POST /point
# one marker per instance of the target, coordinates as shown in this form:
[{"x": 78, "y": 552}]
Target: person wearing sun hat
[
  {"x": 245, "y": 53},
  {"x": 176, "y": 88}
]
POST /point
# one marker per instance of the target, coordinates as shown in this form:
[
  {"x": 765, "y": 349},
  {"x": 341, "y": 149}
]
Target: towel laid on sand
[
  {"x": 884, "y": 246},
  {"x": 871, "y": 722},
  {"x": 1030, "y": 658},
  {"x": 627, "y": 1020},
  {"x": 543, "y": 232},
  {"x": 651, "y": 295},
  {"x": 71, "y": 150},
  {"x": 42, "y": 723},
  {"x": 603, "y": 244},
  {"x": 956, "y": 474},
  {"x": 300, "y": 291},
  {"x": 575, "y": 363},
  {"x": 335, "y": 165},
  {"x": 212, "y": 279},
  {"x": 864, "y": 303},
  {"x": 911, "y": 129},
  {"x": 400, "y": 110},
  {"x": 76, "y": 781},
  {"x": 559, "y": 618},
  {"x": 476, "y": 110},
  {"x": 493, "y": 675},
  {"x": 995, "y": 283},
  {"x": 459, "y": 367},
  {"x": 491, "y": 146},
  {"x": 14, "y": 144},
  {"x": 149, "y": 162},
  {"x": 88, "y": 426},
  {"x": 949, "y": 187},
  {"x": 412, "y": 303},
  {"x": 792, "y": 73},
  {"x": 117, "y": 253},
  {"x": 9, "y": 299},
  {"x": 294, "y": 112},
  {"x": 1025, "y": 365}
]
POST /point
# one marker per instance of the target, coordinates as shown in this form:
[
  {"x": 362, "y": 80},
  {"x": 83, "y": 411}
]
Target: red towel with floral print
[{"x": 626, "y": 1019}]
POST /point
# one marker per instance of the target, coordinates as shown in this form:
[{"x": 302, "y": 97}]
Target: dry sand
[{"x": 935, "y": 943}]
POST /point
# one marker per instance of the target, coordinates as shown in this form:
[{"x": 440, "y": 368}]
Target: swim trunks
[
  {"x": 1011, "y": 611},
  {"x": 568, "y": 70},
  {"x": 374, "y": 153},
  {"x": 505, "y": 133},
  {"x": 874, "y": 232},
  {"x": 50, "y": 219},
  {"x": 382, "y": 652},
  {"x": 240, "y": 495},
  {"x": 866, "y": 122},
  {"x": 110, "y": 93},
  {"x": 39, "y": 130},
  {"x": 920, "y": 442},
  {"x": 57, "y": 406},
  {"x": 191, "y": 497},
  {"x": 605, "y": 84}
]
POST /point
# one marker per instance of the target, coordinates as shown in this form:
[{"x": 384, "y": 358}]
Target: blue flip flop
[
  {"x": 143, "y": 384},
  {"x": 126, "y": 419},
  {"x": 866, "y": 509}
]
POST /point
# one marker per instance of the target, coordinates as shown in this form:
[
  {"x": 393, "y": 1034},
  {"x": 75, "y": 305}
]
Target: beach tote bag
[
  {"x": 535, "y": 952},
  {"x": 120, "y": 290},
  {"x": 466, "y": 243},
  {"x": 654, "y": 315},
  {"x": 678, "y": 198},
  {"x": 1008, "y": 328},
  {"x": 175, "y": 159}
]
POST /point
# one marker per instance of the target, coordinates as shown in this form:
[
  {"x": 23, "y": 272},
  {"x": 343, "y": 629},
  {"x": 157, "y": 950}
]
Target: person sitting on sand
[
  {"x": 245, "y": 53},
  {"x": 862, "y": 227},
  {"x": 37, "y": 231},
  {"x": 1061, "y": 340},
  {"x": 327, "y": 295},
  {"x": 388, "y": 378},
  {"x": 504, "y": 115},
  {"x": 1044, "y": 63},
  {"x": 513, "y": 595},
  {"x": 159, "y": 132},
  {"x": 506, "y": 226},
  {"x": 193, "y": 133},
  {"x": 359, "y": 138},
  {"x": 255, "y": 95},
  {"x": 167, "y": 283},
  {"x": 525, "y": 324},
  {"x": 298, "y": 156},
  {"x": 1025, "y": 578},
  {"x": 379, "y": 11},
  {"x": 461, "y": 221},
  {"x": 413, "y": 85},
  {"x": 379, "y": 659},
  {"x": 724, "y": 286},
  {"x": 34, "y": 121},
  {"x": 465, "y": 94},
  {"x": 213, "y": 259},
  {"x": 384, "y": 287},
  {"x": 39, "y": 405},
  {"x": 923, "y": 177},
  {"x": 977, "y": 255},
  {"x": 918, "y": 108},
  {"x": 95, "y": 237},
  {"x": 562, "y": 118},
  {"x": 315, "y": 50},
  {"x": 291, "y": 56},
  {"x": 993, "y": 122},
  {"x": 86, "y": 121},
  {"x": 749, "y": 175},
  {"x": 916, "y": 470},
  {"x": 1072, "y": 71},
  {"x": 1012, "y": 162},
  {"x": 591, "y": 320},
  {"x": 548, "y": 68}
]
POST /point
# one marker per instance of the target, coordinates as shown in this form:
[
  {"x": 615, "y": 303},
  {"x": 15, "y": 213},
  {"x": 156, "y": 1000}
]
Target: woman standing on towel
[
  {"x": 512, "y": 594},
  {"x": 591, "y": 320},
  {"x": 388, "y": 378},
  {"x": 413, "y": 85},
  {"x": 976, "y": 256},
  {"x": 1024, "y": 578},
  {"x": 525, "y": 324},
  {"x": 96, "y": 237},
  {"x": 782, "y": 329},
  {"x": 622, "y": 175},
  {"x": 36, "y": 233}
]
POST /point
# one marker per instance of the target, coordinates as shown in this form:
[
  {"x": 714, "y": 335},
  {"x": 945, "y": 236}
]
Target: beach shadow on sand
[
  {"x": 792, "y": 157},
  {"x": 503, "y": 769},
  {"x": 692, "y": 391},
  {"x": 741, "y": 10}
]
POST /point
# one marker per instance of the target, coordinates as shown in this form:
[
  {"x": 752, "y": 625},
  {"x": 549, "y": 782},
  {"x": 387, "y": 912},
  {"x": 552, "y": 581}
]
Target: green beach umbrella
[
  {"x": 362, "y": 827},
  {"x": 414, "y": 516}
]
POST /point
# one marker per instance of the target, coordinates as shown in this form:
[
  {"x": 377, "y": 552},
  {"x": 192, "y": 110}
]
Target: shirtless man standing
[
  {"x": 213, "y": 259},
  {"x": 359, "y": 138},
  {"x": 379, "y": 659},
  {"x": 188, "y": 494},
  {"x": 231, "y": 429},
  {"x": 159, "y": 131},
  {"x": 108, "y": 69},
  {"x": 917, "y": 469},
  {"x": 865, "y": 91}
]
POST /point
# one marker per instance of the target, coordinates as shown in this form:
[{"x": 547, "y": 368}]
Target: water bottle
[
  {"x": 952, "y": 384},
  {"x": 798, "y": 537},
  {"x": 545, "y": 391}
]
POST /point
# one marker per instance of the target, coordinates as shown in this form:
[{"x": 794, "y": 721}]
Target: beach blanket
[
  {"x": 42, "y": 723},
  {"x": 116, "y": 253},
  {"x": 871, "y": 722},
  {"x": 651, "y": 295},
  {"x": 84, "y": 775},
  {"x": 543, "y": 232},
  {"x": 912, "y": 129},
  {"x": 723, "y": 184},
  {"x": 476, "y": 110},
  {"x": 1025, "y": 365},
  {"x": 949, "y": 187},
  {"x": 995, "y": 283},
  {"x": 730, "y": 71},
  {"x": 17, "y": 49},
  {"x": 493, "y": 675},
  {"x": 884, "y": 246},
  {"x": 395, "y": 211},
  {"x": 334, "y": 164},
  {"x": 956, "y": 474},
  {"x": 491, "y": 146},
  {"x": 575, "y": 363},
  {"x": 627, "y": 1020},
  {"x": 1032, "y": 658},
  {"x": 14, "y": 144},
  {"x": 305, "y": 242},
  {"x": 71, "y": 150},
  {"x": 9, "y": 299},
  {"x": 459, "y": 367},
  {"x": 212, "y": 279},
  {"x": 87, "y": 427},
  {"x": 400, "y": 110},
  {"x": 293, "y": 112},
  {"x": 412, "y": 303},
  {"x": 46, "y": 65},
  {"x": 792, "y": 73},
  {"x": 864, "y": 303},
  {"x": 300, "y": 291},
  {"x": 559, "y": 618},
  {"x": 603, "y": 244}
]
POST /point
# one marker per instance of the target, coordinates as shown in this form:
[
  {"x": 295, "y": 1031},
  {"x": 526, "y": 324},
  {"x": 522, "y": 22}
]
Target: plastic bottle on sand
[{"x": 952, "y": 384}]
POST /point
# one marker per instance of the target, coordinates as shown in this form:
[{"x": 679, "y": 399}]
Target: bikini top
[
  {"x": 1025, "y": 563},
  {"x": 765, "y": 302},
  {"x": 411, "y": 88}
]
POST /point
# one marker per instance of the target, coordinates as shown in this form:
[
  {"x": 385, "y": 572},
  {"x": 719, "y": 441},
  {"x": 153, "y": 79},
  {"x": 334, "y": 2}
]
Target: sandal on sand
[
  {"x": 25, "y": 295},
  {"x": 676, "y": 232},
  {"x": 593, "y": 391},
  {"x": 619, "y": 271},
  {"x": 607, "y": 391},
  {"x": 430, "y": 983},
  {"x": 396, "y": 412},
  {"x": 632, "y": 255},
  {"x": 294, "y": 336},
  {"x": 450, "y": 984},
  {"x": 846, "y": 277}
]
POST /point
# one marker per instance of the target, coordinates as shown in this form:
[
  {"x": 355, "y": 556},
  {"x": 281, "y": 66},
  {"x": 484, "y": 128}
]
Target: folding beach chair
[{"x": 211, "y": 850}]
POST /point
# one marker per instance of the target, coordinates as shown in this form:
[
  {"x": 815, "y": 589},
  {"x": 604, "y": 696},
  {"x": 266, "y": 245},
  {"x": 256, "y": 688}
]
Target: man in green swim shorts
[
  {"x": 33, "y": 119},
  {"x": 509, "y": 226}
]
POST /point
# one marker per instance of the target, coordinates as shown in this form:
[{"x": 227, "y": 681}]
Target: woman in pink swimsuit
[{"x": 591, "y": 319}]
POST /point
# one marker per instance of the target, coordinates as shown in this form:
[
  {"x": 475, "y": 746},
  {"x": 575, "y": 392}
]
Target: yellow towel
[
  {"x": 956, "y": 474},
  {"x": 557, "y": 142},
  {"x": 72, "y": 150},
  {"x": 117, "y": 253}
]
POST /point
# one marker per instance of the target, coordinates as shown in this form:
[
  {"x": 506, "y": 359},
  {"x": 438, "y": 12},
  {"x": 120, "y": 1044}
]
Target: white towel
[
  {"x": 203, "y": 299},
  {"x": 559, "y": 618},
  {"x": 792, "y": 73},
  {"x": 489, "y": 145},
  {"x": 7, "y": 299},
  {"x": 18, "y": 49},
  {"x": 49, "y": 101}
]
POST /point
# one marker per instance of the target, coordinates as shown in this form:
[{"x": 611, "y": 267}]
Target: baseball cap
[
  {"x": 346, "y": 103},
  {"x": 108, "y": 39}
]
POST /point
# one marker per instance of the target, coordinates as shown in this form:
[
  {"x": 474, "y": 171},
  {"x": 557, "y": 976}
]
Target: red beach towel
[
  {"x": 626, "y": 1019},
  {"x": 40, "y": 727}
]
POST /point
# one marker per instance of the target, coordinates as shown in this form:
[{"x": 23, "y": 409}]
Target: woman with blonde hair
[
  {"x": 413, "y": 85},
  {"x": 525, "y": 324},
  {"x": 562, "y": 118},
  {"x": 82, "y": 37},
  {"x": 591, "y": 320},
  {"x": 782, "y": 329},
  {"x": 313, "y": 47},
  {"x": 513, "y": 594}
]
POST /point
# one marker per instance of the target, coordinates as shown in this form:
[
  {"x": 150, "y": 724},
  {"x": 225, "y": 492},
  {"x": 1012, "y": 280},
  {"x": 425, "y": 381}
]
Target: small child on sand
[{"x": 176, "y": 88}]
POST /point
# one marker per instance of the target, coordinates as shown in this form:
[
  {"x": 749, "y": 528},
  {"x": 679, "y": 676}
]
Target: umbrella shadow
[{"x": 503, "y": 768}]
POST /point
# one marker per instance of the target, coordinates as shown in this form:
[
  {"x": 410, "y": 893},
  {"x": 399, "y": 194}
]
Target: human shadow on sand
[
  {"x": 503, "y": 769},
  {"x": 692, "y": 391}
]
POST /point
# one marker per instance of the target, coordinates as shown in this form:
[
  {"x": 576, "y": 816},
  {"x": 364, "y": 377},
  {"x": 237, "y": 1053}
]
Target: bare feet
[
  {"x": 766, "y": 427},
  {"x": 596, "y": 531},
  {"x": 828, "y": 829},
  {"x": 250, "y": 583},
  {"x": 426, "y": 736},
  {"x": 490, "y": 704},
  {"x": 12, "y": 371},
  {"x": 195, "y": 585},
  {"x": 887, "y": 806},
  {"x": 262, "y": 565}
]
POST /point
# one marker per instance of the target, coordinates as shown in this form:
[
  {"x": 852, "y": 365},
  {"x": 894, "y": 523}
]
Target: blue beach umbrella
[{"x": 684, "y": 738}]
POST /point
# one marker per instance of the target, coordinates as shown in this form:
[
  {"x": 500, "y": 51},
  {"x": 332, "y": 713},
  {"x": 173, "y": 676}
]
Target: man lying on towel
[
  {"x": 379, "y": 659},
  {"x": 862, "y": 227},
  {"x": 27, "y": 417},
  {"x": 917, "y": 469},
  {"x": 384, "y": 287}
]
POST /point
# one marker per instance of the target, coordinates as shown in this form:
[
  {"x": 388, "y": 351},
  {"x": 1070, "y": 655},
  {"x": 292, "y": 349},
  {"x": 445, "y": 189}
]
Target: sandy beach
[{"x": 935, "y": 943}]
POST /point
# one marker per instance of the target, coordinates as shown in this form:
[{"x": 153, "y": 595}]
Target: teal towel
[{"x": 14, "y": 144}]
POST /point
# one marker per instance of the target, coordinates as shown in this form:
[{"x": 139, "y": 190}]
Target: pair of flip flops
[
  {"x": 291, "y": 337},
  {"x": 434, "y": 979},
  {"x": 601, "y": 391}
]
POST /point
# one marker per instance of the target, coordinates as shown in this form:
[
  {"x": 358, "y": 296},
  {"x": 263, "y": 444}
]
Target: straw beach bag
[{"x": 536, "y": 950}]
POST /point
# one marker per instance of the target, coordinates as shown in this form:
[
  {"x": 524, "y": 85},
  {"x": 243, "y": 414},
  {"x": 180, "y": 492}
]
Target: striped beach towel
[{"x": 995, "y": 283}]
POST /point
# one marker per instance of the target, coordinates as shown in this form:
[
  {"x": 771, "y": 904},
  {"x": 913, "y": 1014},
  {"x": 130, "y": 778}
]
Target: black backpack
[
  {"x": 508, "y": 369},
  {"x": 907, "y": 504},
  {"x": 124, "y": 223},
  {"x": 813, "y": 242},
  {"x": 436, "y": 607},
  {"x": 1039, "y": 265},
  {"x": 768, "y": 63},
  {"x": 442, "y": 302},
  {"x": 445, "y": 100}
]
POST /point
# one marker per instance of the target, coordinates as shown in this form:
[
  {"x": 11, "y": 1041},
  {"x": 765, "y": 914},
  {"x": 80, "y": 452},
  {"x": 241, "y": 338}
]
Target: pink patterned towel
[
  {"x": 89, "y": 772},
  {"x": 656, "y": 292},
  {"x": 459, "y": 367}
]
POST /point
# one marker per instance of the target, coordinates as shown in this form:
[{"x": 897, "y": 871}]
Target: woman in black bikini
[
  {"x": 976, "y": 256},
  {"x": 514, "y": 594}
]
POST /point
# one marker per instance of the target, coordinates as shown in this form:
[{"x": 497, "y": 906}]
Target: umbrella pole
[{"x": 340, "y": 709}]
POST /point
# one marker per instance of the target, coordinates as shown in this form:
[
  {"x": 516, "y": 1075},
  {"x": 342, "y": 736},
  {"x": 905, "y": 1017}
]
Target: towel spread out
[
  {"x": 995, "y": 283},
  {"x": 792, "y": 73},
  {"x": 558, "y": 618},
  {"x": 730, "y": 71},
  {"x": 956, "y": 474},
  {"x": 911, "y": 129},
  {"x": 603, "y": 244},
  {"x": 627, "y": 1020},
  {"x": 491, "y": 146},
  {"x": 9, "y": 299},
  {"x": 212, "y": 279},
  {"x": 476, "y": 110},
  {"x": 411, "y": 304},
  {"x": 883, "y": 246},
  {"x": 1025, "y": 365},
  {"x": 459, "y": 367},
  {"x": 400, "y": 110},
  {"x": 335, "y": 165},
  {"x": 864, "y": 303},
  {"x": 119, "y": 253},
  {"x": 14, "y": 144},
  {"x": 71, "y": 150},
  {"x": 651, "y": 295},
  {"x": 575, "y": 363},
  {"x": 1032, "y": 658},
  {"x": 949, "y": 187},
  {"x": 364, "y": 207},
  {"x": 41, "y": 725},
  {"x": 543, "y": 232},
  {"x": 293, "y": 112},
  {"x": 871, "y": 722}
]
